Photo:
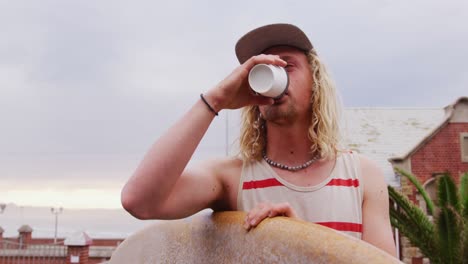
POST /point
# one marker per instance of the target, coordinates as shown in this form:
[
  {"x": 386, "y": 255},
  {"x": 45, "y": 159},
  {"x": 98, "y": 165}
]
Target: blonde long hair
[{"x": 324, "y": 132}]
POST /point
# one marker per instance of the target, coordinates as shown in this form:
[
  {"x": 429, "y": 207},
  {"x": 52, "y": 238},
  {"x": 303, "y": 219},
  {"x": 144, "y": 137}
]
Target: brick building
[
  {"x": 443, "y": 149},
  {"x": 78, "y": 248},
  {"x": 423, "y": 141}
]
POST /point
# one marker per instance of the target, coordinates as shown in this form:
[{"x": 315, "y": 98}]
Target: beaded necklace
[{"x": 289, "y": 168}]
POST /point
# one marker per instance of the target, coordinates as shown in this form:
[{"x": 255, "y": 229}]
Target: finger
[
  {"x": 260, "y": 214},
  {"x": 271, "y": 59},
  {"x": 252, "y": 217},
  {"x": 284, "y": 209},
  {"x": 274, "y": 212},
  {"x": 266, "y": 59},
  {"x": 246, "y": 224},
  {"x": 278, "y": 210}
]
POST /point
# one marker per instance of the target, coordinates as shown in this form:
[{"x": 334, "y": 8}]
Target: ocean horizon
[{"x": 97, "y": 223}]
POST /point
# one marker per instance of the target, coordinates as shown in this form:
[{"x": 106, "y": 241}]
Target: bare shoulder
[
  {"x": 368, "y": 165},
  {"x": 221, "y": 167},
  {"x": 372, "y": 175}
]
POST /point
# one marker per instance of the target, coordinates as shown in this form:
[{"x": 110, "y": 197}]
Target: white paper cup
[{"x": 268, "y": 80}]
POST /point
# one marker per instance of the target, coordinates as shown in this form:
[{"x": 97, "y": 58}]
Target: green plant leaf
[
  {"x": 463, "y": 190},
  {"x": 417, "y": 235},
  {"x": 464, "y": 195},
  {"x": 447, "y": 193},
  {"x": 414, "y": 224},
  {"x": 449, "y": 231},
  {"x": 419, "y": 187},
  {"x": 447, "y": 240},
  {"x": 415, "y": 214}
]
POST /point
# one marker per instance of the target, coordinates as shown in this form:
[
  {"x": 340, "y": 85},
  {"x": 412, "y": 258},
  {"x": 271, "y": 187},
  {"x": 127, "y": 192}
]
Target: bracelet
[{"x": 207, "y": 104}]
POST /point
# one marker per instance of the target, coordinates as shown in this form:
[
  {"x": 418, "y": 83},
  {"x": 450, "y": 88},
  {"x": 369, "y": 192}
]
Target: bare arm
[
  {"x": 161, "y": 187},
  {"x": 376, "y": 220},
  {"x": 158, "y": 172}
]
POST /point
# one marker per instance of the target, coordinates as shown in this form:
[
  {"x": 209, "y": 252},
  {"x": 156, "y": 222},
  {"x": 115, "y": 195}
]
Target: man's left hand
[{"x": 264, "y": 210}]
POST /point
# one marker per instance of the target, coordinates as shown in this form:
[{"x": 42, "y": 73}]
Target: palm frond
[
  {"x": 449, "y": 227},
  {"x": 414, "y": 224},
  {"x": 449, "y": 221},
  {"x": 417, "y": 235},
  {"x": 447, "y": 240},
  {"x": 415, "y": 214},
  {"x": 419, "y": 187},
  {"x": 447, "y": 193},
  {"x": 464, "y": 195},
  {"x": 464, "y": 201},
  {"x": 465, "y": 243}
]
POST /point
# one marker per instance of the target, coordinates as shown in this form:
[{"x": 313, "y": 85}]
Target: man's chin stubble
[{"x": 275, "y": 115}]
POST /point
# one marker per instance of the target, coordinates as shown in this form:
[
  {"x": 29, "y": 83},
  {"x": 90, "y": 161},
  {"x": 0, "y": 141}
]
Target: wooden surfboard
[{"x": 220, "y": 238}]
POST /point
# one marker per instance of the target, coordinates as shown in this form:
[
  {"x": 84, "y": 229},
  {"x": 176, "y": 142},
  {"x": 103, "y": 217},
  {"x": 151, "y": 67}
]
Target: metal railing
[{"x": 20, "y": 253}]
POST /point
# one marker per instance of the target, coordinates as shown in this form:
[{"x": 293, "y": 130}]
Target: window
[{"x": 464, "y": 146}]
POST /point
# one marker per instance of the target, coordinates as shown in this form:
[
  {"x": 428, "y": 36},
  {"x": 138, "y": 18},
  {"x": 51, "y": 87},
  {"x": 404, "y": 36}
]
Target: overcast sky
[{"x": 87, "y": 86}]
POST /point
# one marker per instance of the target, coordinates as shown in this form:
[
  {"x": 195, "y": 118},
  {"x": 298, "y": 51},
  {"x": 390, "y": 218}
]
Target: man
[{"x": 290, "y": 163}]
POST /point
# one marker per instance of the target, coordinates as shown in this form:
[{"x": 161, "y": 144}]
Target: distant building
[
  {"x": 443, "y": 149},
  {"x": 423, "y": 141},
  {"x": 381, "y": 133},
  {"x": 78, "y": 248}
]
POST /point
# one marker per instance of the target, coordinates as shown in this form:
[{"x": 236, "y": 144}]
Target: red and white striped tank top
[{"x": 336, "y": 202}]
